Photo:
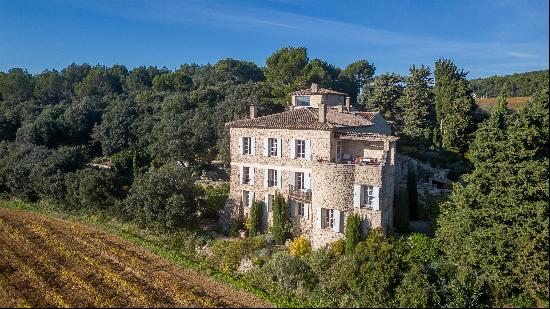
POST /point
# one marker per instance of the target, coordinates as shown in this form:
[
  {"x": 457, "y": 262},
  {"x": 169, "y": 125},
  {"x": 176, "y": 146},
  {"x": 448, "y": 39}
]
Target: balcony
[{"x": 300, "y": 195}]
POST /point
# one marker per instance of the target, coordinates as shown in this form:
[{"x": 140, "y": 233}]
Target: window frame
[
  {"x": 246, "y": 198},
  {"x": 272, "y": 178},
  {"x": 298, "y": 100},
  {"x": 301, "y": 209},
  {"x": 300, "y": 150},
  {"x": 330, "y": 220},
  {"x": 246, "y": 175},
  {"x": 338, "y": 150},
  {"x": 299, "y": 181},
  {"x": 247, "y": 146},
  {"x": 368, "y": 196},
  {"x": 273, "y": 150}
]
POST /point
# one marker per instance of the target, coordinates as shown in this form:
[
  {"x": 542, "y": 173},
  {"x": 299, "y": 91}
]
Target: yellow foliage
[
  {"x": 337, "y": 247},
  {"x": 300, "y": 247}
]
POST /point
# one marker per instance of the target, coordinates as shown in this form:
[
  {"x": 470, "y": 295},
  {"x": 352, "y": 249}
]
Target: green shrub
[
  {"x": 254, "y": 221},
  {"x": 337, "y": 248},
  {"x": 214, "y": 201},
  {"x": 415, "y": 289},
  {"x": 299, "y": 247},
  {"x": 420, "y": 249},
  {"x": 235, "y": 226},
  {"x": 353, "y": 232}
]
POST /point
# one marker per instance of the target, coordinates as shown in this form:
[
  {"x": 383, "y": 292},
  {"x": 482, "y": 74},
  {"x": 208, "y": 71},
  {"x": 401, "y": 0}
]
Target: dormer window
[{"x": 303, "y": 100}]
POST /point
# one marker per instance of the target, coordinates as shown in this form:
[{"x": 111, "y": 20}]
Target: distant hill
[{"x": 519, "y": 84}]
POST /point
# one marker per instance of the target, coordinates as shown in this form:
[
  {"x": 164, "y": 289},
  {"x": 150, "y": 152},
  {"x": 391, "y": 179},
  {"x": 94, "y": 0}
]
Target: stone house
[{"x": 326, "y": 159}]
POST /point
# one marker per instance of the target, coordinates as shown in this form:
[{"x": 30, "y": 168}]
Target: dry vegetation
[
  {"x": 514, "y": 103},
  {"x": 46, "y": 262}
]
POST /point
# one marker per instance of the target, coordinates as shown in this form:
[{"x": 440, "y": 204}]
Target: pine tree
[
  {"x": 454, "y": 106},
  {"x": 384, "y": 94},
  {"x": 417, "y": 105},
  {"x": 495, "y": 228}
]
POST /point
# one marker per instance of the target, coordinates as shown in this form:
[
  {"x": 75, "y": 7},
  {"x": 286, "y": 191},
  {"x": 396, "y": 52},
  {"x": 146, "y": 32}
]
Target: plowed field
[{"x": 47, "y": 262}]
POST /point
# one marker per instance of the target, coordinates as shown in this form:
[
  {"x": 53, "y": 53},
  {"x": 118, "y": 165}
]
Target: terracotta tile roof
[
  {"x": 310, "y": 91},
  {"x": 305, "y": 119}
]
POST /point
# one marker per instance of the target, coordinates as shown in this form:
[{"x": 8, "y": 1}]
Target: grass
[
  {"x": 514, "y": 103},
  {"x": 131, "y": 233}
]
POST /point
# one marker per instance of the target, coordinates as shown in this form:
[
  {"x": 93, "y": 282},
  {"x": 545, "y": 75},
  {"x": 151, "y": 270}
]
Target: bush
[
  {"x": 353, "y": 232},
  {"x": 337, "y": 248},
  {"x": 214, "y": 201},
  {"x": 280, "y": 228},
  {"x": 300, "y": 247},
  {"x": 420, "y": 249},
  {"x": 165, "y": 196},
  {"x": 92, "y": 189},
  {"x": 254, "y": 222},
  {"x": 415, "y": 290}
]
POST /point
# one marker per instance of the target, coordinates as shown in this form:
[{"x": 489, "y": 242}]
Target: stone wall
[{"x": 331, "y": 184}]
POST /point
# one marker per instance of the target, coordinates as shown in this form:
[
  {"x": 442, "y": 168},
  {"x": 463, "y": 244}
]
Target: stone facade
[{"x": 345, "y": 170}]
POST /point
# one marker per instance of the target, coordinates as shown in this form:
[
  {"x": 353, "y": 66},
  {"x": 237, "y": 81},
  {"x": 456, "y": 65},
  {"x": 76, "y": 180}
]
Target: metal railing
[{"x": 302, "y": 195}]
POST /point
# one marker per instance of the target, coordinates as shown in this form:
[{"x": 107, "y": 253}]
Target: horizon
[{"x": 148, "y": 34}]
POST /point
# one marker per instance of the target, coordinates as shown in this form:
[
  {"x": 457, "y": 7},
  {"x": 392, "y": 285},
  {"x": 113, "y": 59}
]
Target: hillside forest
[{"x": 158, "y": 129}]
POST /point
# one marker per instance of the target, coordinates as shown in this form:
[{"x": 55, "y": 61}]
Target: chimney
[
  {"x": 348, "y": 105},
  {"x": 253, "y": 111},
  {"x": 323, "y": 112},
  {"x": 314, "y": 87}
]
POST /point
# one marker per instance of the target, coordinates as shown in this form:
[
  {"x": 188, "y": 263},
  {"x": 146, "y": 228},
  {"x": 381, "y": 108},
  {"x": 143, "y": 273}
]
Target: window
[
  {"x": 300, "y": 149},
  {"x": 272, "y": 147},
  {"x": 247, "y": 146},
  {"x": 302, "y": 101},
  {"x": 368, "y": 194},
  {"x": 246, "y": 175},
  {"x": 299, "y": 180},
  {"x": 329, "y": 218},
  {"x": 270, "y": 201},
  {"x": 301, "y": 209},
  {"x": 246, "y": 198},
  {"x": 271, "y": 178},
  {"x": 338, "y": 150}
]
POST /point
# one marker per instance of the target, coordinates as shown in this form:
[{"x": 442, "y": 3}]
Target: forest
[
  {"x": 518, "y": 85},
  {"x": 158, "y": 129}
]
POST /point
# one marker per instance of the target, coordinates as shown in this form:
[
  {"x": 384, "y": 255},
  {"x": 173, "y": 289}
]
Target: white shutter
[
  {"x": 252, "y": 172},
  {"x": 266, "y": 177},
  {"x": 250, "y": 198},
  {"x": 376, "y": 194},
  {"x": 308, "y": 150},
  {"x": 253, "y": 145},
  {"x": 306, "y": 211},
  {"x": 292, "y": 178},
  {"x": 279, "y": 179},
  {"x": 307, "y": 181},
  {"x": 279, "y": 147},
  {"x": 293, "y": 149},
  {"x": 241, "y": 146},
  {"x": 241, "y": 175},
  {"x": 266, "y": 202},
  {"x": 336, "y": 227},
  {"x": 266, "y": 147},
  {"x": 319, "y": 217},
  {"x": 357, "y": 196}
]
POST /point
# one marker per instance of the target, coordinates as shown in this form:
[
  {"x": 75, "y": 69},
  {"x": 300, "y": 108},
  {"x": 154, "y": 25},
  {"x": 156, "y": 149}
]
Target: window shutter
[
  {"x": 241, "y": 146},
  {"x": 337, "y": 217},
  {"x": 357, "y": 196},
  {"x": 306, "y": 211},
  {"x": 376, "y": 195},
  {"x": 266, "y": 202},
  {"x": 252, "y": 172},
  {"x": 292, "y": 176},
  {"x": 241, "y": 176},
  {"x": 266, "y": 177},
  {"x": 319, "y": 217},
  {"x": 279, "y": 147},
  {"x": 307, "y": 181},
  {"x": 293, "y": 149},
  {"x": 279, "y": 179},
  {"x": 253, "y": 145},
  {"x": 308, "y": 150},
  {"x": 266, "y": 147},
  {"x": 292, "y": 209},
  {"x": 250, "y": 198}
]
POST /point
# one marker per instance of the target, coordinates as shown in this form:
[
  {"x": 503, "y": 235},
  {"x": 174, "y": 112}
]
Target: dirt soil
[{"x": 48, "y": 262}]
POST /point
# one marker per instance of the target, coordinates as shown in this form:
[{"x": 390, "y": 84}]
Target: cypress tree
[
  {"x": 280, "y": 219},
  {"x": 417, "y": 105},
  {"x": 353, "y": 233},
  {"x": 255, "y": 218},
  {"x": 494, "y": 229},
  {"x": 454, "y": 106}
]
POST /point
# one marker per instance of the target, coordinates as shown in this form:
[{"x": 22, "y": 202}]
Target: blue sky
[{"x": 485, "y": 37}]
